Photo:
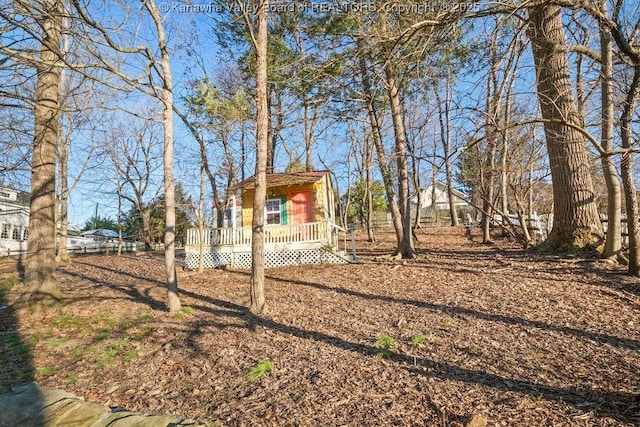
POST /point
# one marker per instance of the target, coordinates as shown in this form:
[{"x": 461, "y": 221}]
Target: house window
[
  {"x": 272, "y": 211},
  {"x": 25, "y": 233},
  {"x": 5, "y": 195},
  {"x": 16, "y": 233},
  {"x": 6, "y": 228}
]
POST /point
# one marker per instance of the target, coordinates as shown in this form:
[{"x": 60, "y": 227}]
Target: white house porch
[{"x": 293, "y": 244}]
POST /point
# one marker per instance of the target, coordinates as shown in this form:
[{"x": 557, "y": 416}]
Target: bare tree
[
  {"x": 166, "y": 97},
  {"x": 625, "y": 34},
  {"x": 77, "y": 117},
  {"x": 134, "y": 153},
  {"x": 376, "y": 134},
  {"x": 613, "y": 242},
  {"x": 444, "y": 119},
  {"x": 491, "y": 123}
]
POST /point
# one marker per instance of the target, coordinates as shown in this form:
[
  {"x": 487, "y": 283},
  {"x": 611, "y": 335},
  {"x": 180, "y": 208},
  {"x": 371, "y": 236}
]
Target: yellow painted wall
[{"x": 322, "y": 200}]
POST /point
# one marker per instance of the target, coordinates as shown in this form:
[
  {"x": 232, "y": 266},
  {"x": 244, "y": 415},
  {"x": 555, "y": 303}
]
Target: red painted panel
[{"x": 301, "y": 207}]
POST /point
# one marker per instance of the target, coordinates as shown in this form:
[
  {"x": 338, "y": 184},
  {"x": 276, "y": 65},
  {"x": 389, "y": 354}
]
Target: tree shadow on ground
[
  {"x": 16, "y": 361},
  {"x": 452, "y": 310},
  {"x": 448, "y": 309},
  {"x": 496, "y": 258},
  {"x": 131, "y": 291},
  {"x": 615, "y": 277},
  {"x": 601, "y": 402}
]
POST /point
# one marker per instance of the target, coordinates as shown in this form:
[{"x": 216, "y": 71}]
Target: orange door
[{"x": 300, "y": 207}]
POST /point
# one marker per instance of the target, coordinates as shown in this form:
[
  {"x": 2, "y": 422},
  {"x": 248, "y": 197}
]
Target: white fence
[
  {"x": 75, "y": 245},
  {"x": 624, "y": 230}
]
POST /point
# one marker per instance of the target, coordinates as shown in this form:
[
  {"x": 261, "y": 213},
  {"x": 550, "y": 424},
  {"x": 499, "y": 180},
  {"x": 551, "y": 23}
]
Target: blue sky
[{"x": 193, "y": 49}]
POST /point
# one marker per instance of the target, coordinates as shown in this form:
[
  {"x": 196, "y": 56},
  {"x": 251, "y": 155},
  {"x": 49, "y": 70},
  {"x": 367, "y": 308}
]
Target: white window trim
[
  {"x": 5, "y": 231},
  {"x": 266, "y": 212}
]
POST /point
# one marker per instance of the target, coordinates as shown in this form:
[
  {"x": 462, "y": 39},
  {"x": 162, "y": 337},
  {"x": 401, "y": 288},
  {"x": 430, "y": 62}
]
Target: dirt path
[{"x": 463, "y": 329}]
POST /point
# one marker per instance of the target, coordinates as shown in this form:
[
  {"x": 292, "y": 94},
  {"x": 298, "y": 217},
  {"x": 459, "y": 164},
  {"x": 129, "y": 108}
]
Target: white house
[
  {"x": 441, "y": 198},
  {"x": 14, "y": 220},
  {"x": 14, "y": 223}
]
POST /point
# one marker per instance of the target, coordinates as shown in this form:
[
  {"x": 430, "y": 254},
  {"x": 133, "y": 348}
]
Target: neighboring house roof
[
  {"x": 71, "y": 229},
  {"x": 16, "y": 197},
  {"x": 282, "y": 180},
  {"x": 102, "y": 232}
]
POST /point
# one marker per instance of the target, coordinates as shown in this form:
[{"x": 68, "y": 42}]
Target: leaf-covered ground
[{"x": 464, "y": 329}]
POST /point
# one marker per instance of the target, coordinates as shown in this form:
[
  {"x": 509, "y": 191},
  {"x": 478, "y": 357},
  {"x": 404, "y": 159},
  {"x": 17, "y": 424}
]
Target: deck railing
[
  {"x": 294, "y": 233},
  {"x": 322, "y": 234}
]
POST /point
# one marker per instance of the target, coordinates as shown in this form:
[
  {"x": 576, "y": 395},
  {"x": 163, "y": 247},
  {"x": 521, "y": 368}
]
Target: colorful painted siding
[{"x": 322, "y": 201}]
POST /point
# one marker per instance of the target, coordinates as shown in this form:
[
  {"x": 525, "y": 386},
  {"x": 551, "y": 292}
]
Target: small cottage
[
  {"x": 300, "y": 227},
  {"x": 292, "y": 198}
]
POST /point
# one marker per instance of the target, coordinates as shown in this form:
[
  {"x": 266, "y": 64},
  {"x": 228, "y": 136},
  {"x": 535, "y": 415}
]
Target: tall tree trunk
[
  {"x": 200, "y": 216},
  {"x": 613, "y": 242},
  {"x": 145, "y": 213},
  {"x": 434, "y": 194},
  {"x": 217, "y": 206},
  {"x": 274, "y": 129},
  {"x": 367, "y": 163},
  {"x": 576, "y": 224},
  {"x": 530, "y": 186},
  {"x": 119, "y": 193},
  {"x": 166, "y": 93},
  {"x": 504, "y": 178},
  {"x": 215, "y": 194},
  {"x": 63, "y": 158},
  {"x": 258, "y": 301},
  {"x": 524, "y": 224},
  {"x": 415, "y": 177},
  {"x": 382, "y": 157},
  {"x": 416, "y": 184},
  {"x": 488, "y": 183},
  {"x": 488, "y": 164},
  {"x": 504, "y": 164},
  {"x": 445, "y": 137},
  {"x": 405, "y": 250},
  {"x": 243, "y": 153},
  {"x": 626, "y": 167},
  {"x": 309, "y": 131},
  {"x": 347, "y": 197},
  {"x": 231, "y": 174},
  {"x": 64, "y": 140},
  {"x": 41, "y": 292},
  {"x": 509, "y": 82}
]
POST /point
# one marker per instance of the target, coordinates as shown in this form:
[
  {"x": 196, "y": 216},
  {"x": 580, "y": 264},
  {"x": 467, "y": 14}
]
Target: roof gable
[{"x": 282, "y": 180}]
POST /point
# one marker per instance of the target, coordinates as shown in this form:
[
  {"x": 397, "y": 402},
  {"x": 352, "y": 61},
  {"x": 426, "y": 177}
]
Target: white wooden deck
[
  {"x": 309, "y": 243},
  {"x": 273, "y": 234}
]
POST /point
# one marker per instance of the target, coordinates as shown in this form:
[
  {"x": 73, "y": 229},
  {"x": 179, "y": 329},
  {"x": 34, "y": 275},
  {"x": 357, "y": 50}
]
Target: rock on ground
[{"x": 32, "y": 405}]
